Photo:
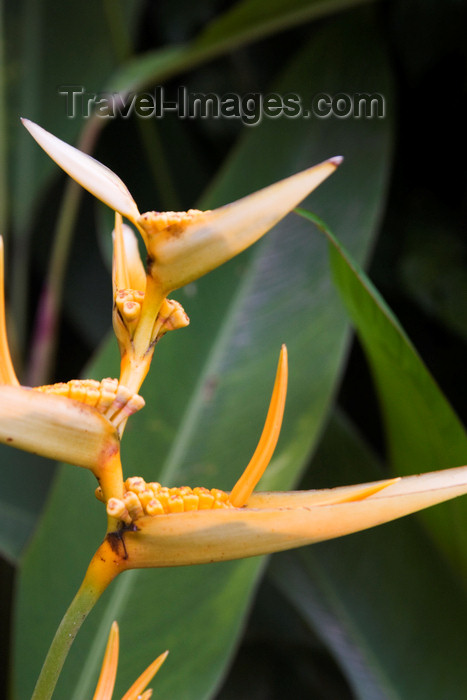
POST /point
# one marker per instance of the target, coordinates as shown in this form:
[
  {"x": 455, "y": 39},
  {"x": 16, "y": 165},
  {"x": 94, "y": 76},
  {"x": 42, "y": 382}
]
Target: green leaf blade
[
  {"x": 380, "y": 597},
  {"x": 423, "y": 431}
]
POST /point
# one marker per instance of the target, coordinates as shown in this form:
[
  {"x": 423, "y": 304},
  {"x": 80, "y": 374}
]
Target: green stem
[
  {"x": 45, "y": 332},
  {"x": 74, "y": 617},
  {"x": 104, "y": 566}
]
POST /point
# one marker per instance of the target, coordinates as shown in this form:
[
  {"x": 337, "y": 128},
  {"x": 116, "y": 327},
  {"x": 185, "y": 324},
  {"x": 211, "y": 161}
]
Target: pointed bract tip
[
  {"x": 146, "y": 677},
  {"x": 182, "y": 254},
  {"x": 337, "y": 160},
  {"x": 95, "y": 177},
  {"x": 269, "y": 437},
  {"x": 106, "y": 682}
]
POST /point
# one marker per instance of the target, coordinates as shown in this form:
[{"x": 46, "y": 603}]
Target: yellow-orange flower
[
  {"x": 75, "y": 422},
  {"x": 160, "y": 529},
  {"x": 181, "y": 246},
  {"x": 181, "y": 526}
]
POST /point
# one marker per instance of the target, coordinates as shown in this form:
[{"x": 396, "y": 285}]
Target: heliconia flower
[
  {"x": 181, "y": 246},
  {"x": 62, "y": 429},
  {"x": 106, "y": 682},
  {"x": 55, "y": 427},
  {"x": 162, "y": 527},
  {"x": 273, "y": 522},
  {"x": 76, "y": 422}
]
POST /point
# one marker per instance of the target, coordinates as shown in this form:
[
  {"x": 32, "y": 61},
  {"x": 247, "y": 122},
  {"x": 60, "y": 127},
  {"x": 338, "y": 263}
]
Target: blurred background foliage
[{"x": 377, "y": 615}]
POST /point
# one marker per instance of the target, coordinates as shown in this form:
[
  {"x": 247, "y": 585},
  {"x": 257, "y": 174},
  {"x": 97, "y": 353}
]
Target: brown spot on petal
[{"x": 116, "y": 541}]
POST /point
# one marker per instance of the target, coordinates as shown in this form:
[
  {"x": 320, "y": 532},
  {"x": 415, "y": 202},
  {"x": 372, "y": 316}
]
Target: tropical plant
[{"x": 379, "y": 614}]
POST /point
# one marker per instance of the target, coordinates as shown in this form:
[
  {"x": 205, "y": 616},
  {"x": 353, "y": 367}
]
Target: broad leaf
[
  {"x": 252, "y": 19},
  {"x": 247, "y": 21},
  {"x": 21, "y": 497},
  {"x": 378, "y": 594},
  {"x": 423, "y": 431}
]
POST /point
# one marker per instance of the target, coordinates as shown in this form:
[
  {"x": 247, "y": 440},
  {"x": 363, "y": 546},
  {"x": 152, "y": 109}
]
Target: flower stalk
[{"x": 94, "y": 584}]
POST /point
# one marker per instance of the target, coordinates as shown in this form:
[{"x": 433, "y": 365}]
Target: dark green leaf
[
  {"x": 24, "y": 482},
  {"x": 247, "y": 21},
  {"x": 383, "y": 601},
  {"x": 423, "y": 431}
]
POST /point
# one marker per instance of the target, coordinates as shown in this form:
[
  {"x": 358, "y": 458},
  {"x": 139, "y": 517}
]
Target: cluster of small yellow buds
[
  {"x": 171, "y": 316},
  {"x": 150, "y": 498},
  {"x": 128, "y": 302},
  {"x": 110, "y": 398},
  {"x": 170, "y": 221}
]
